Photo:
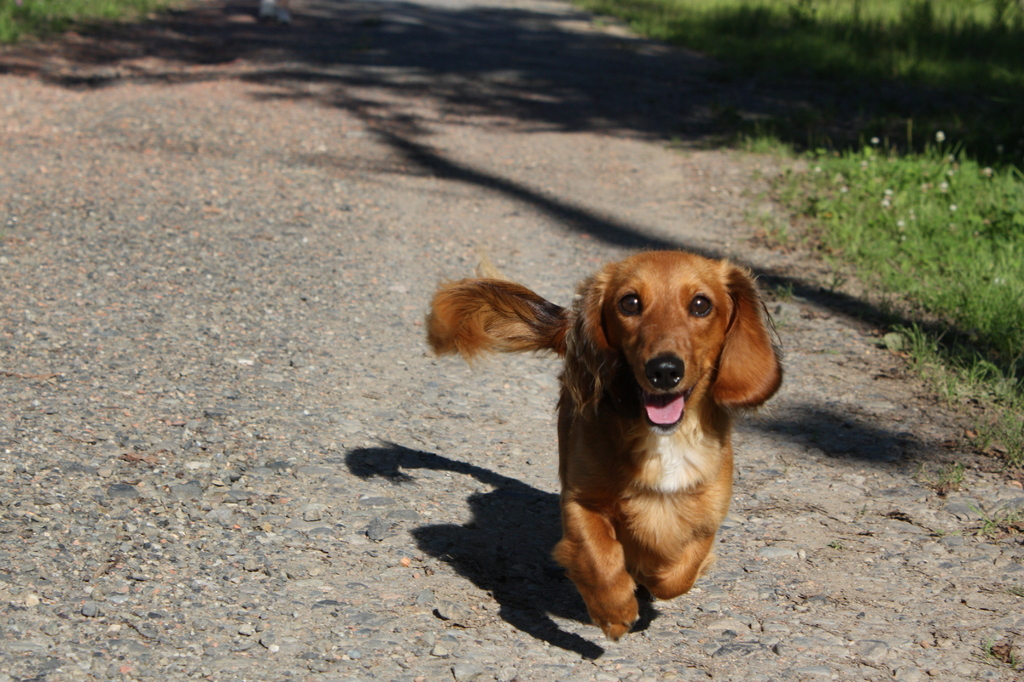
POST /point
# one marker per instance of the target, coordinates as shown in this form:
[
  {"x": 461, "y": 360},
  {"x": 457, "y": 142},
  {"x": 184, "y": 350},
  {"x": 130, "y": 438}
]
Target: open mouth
[{"x": 664, "y": 409}]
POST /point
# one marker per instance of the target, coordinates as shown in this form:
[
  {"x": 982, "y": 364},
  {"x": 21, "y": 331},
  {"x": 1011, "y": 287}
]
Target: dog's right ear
[{"x": 589, "y": 358}]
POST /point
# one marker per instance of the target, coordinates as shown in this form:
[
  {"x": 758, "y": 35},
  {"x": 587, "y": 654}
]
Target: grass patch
[
  {"x": 41, "y": 18},
  {"x": 948, "y": 479},
  {"x": 945, "y": 234},
  {"x": 936, "y": 227},
  {"x": 1003, "y": 652},
  {"x": 1002, "y": 523},
  {"x": 962, "y": 63},
  {"x": 960, "y": 376},
  {"x": 933, "y": 42}
]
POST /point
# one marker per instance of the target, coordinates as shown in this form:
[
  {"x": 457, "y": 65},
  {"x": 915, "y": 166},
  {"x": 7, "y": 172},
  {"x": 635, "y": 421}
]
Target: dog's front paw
[
  {"x": 616, "y": 621},
  {"x": 615, "y": 630}
]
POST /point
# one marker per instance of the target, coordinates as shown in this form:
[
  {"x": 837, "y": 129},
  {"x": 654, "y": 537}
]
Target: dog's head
[{"x": 683, "y": 327}]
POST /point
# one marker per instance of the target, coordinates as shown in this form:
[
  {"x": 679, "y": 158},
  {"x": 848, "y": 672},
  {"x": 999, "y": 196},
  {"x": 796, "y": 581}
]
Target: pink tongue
[{"x": 664, "y": 409}]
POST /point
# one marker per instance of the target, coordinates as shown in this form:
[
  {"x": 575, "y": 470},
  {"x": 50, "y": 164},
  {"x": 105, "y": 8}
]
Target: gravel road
[{"x": 225, "y": 452}]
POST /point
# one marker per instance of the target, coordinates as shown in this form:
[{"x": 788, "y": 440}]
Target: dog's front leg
[
  {"x": 596, "y": 563},
  {"x": 678, "y": 578}
]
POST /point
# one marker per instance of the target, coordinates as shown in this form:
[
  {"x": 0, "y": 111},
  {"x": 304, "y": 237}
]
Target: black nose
[{"x": 665, "y": 371}]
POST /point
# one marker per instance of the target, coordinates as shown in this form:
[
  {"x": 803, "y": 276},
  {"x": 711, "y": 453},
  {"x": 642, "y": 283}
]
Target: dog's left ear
[{"x": 749, "y": 369}]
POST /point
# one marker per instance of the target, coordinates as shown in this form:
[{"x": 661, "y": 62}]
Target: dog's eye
[
  {"x": 700, "y": 306},
  {"x": 630, "y": 304}
]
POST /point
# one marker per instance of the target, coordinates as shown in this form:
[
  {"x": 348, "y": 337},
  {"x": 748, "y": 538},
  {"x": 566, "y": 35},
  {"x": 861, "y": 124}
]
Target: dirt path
[{"x": 226, "y": 454}]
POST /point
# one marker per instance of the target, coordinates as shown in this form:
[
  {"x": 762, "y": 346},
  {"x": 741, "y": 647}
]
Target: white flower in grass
[
  {"x": 940, "y": 136},
  {"x": 900, "y": 224},
  {"x": 952, "y": 207},
  {"x": 987, "y": 172},
  {"x": 888, "y": 192},
  {"x": 875, "y": 141},
  {"x": 944, "y": 187}
]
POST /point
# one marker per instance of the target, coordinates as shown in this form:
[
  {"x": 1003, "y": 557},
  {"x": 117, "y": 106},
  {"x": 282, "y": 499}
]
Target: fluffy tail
[{"x": 472, "y": 316}]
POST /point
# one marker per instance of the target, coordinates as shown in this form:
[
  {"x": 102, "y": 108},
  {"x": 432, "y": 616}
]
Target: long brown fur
[{"x": 641, "y": 501}]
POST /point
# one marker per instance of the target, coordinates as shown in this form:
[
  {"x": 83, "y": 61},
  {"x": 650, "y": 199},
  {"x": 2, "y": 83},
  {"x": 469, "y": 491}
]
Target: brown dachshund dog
[{"x": 659, "y": 349}]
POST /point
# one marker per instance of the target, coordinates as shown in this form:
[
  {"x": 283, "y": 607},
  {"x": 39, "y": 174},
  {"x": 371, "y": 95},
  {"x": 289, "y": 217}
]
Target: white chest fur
[{"x": 675, "y": 462}]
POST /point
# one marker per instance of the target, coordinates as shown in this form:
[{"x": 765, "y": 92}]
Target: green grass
[
  {"x": 947, "y": 479},
  {"x": 1001, "y": 653},
  {"x": 936, "y": 227},
  {"x": 1001, "y": 523},
  {"x": 961, "y": 376},
  {"x": 961, "y": 60},
  {"x": 46, "y": 17},
  {"x": 946, "y": 236},
  {"x": 934, "y": 42}
]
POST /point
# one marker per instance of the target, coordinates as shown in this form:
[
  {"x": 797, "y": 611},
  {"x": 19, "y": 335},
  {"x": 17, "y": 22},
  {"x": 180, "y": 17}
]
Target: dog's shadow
[{"x": 505, "y": 549}]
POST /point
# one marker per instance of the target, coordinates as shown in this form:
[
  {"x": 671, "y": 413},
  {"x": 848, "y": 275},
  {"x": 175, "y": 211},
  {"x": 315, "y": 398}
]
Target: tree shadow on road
[
  {"x": 539, "y": 65},
  {"x": 532, "y": 67},
  {"x": 521, "y": 64},
  {"x": 504, "y": 550},
  {"x": 839, "y": 434}
]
